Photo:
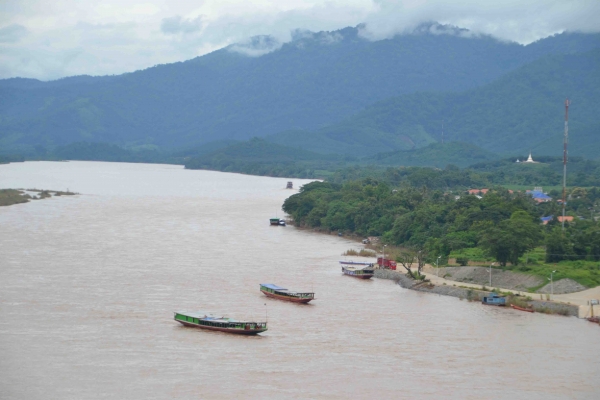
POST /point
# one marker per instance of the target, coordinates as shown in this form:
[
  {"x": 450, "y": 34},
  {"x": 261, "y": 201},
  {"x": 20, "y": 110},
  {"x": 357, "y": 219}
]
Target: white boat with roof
[{"x": 362, "y": 270}]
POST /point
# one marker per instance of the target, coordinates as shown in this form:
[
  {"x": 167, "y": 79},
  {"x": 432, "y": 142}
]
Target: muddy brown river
[{"x": 89, "y": 284}]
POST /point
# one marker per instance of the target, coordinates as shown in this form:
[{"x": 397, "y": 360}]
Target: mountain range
[
  {"x": 519, "y": 112},
  {"x": 327, "y": 92}
]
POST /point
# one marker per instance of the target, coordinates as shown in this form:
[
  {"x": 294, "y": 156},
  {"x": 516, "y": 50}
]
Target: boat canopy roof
[
  {"x": 205, "y": 316},
  {"x": 354, "y": 263},
  {"x": 272, "y": 286},
  {"x": 213, "y": 318}
]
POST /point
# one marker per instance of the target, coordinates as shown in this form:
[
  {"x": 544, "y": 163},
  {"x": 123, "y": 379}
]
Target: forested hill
[
  {"x": 519, "y": 112},
  {"x": 315, "y": 80}
]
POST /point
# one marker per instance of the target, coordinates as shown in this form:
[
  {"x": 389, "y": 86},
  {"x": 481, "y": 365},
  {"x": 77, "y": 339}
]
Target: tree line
[{"x": 504, "y": 225}]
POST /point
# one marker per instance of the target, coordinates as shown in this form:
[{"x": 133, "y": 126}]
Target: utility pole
[
  {"x": 442, "y": 131},
  {"x": 551, "y": 279},
  {"x": 566, "y": 141}
]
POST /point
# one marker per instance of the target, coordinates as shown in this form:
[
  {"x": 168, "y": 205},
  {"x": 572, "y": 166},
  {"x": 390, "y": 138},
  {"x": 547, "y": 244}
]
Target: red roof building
[
  {"x": 567, "y": 218},
  {"x": 478, "y": 191}
]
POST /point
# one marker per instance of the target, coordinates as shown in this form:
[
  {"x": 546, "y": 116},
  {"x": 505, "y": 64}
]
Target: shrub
[
  {"x": 361, "y": 253},
  {"x": 462, "y": 261}
]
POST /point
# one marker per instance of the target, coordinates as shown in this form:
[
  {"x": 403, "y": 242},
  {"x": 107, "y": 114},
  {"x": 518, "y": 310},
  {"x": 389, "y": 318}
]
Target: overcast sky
[{"x": 50, "y": 39}]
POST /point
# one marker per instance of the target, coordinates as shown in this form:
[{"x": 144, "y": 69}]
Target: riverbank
[
  {"x": 471, "y": 292},
  {"x": 511, "y": 280},
  {"x": 475, "y": 293},
  {"x": 9, "y": 197}
]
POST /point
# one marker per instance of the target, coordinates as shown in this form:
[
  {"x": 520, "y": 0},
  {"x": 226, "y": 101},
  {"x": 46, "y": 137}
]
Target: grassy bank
[{"x": 8, "y": 197}]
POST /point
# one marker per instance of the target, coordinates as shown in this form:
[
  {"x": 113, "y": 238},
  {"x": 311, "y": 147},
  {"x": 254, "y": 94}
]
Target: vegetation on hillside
[
  {"x": 521, "y": 111},
  {"x": 259, "y": 157},
  {"x": 437, "y": 155}
]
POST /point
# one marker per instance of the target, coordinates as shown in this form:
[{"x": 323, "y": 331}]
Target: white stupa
[{"x": 530, "y": 160}]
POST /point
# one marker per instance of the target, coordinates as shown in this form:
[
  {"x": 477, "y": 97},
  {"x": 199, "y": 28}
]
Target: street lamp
[
  {"x": 551, "y": 279},
  {"x": 383, "y": 259},
  {"x": 437, "y": 266},
  {"x": 491, "y": 274}
]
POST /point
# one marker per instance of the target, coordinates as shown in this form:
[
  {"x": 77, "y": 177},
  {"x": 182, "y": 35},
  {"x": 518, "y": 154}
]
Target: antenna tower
[{"x": 566, "y": 141}]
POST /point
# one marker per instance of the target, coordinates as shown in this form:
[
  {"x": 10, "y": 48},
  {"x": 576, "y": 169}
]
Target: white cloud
[
  {"x": 52, "y": 39},
  {"x": 178, "y": 24},
  {"x": 256, "y": 46},
  {"x": 12, "y": 33}
]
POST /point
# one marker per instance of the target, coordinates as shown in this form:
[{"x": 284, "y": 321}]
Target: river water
[{"x": 89, "y": 283}]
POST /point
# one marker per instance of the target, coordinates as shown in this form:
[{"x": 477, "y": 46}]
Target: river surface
[{"x": 89, "y": 283}]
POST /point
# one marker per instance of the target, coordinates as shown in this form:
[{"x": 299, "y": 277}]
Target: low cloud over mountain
[{"x": 49, "y": 40}]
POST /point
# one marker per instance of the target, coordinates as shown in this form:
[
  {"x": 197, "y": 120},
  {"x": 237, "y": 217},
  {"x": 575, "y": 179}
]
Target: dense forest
[{"x": 503, "y": 225}]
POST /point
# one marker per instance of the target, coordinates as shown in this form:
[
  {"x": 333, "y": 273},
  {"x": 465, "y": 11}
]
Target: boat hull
[
  {"x": 287, "y": 298},
  {"x": 521, "y": 308},
  {"x": 355, "y": 275},
  {"x": 219, "y": 329},
  {"x": 363, "y": 276}
]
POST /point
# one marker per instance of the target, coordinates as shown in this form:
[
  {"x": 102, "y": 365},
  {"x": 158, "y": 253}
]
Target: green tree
[
  {"x": 558, "y": 246},
  {"x": 511, "y": 238}
]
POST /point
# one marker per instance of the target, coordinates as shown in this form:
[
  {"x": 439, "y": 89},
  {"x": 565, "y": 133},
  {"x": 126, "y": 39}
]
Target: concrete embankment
[
  {"x": 505, "y": 279},
  {"x": 471, "y": 294}
]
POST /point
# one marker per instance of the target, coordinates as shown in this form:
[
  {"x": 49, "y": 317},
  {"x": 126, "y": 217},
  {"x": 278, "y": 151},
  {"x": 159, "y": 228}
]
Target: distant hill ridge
[{"x": 316, "y": 80}]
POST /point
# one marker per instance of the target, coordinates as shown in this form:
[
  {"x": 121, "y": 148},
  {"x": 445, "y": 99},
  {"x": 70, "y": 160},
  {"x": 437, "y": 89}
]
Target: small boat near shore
[
  {"x": 522, "y": 308},
  {"x": 222, "y": 324},
  {"x": 274, "y": 221},
  {"x": 352, "y": 268},
  {"x": 494, "y": 300},
  {"x": 277, "y": 292}
]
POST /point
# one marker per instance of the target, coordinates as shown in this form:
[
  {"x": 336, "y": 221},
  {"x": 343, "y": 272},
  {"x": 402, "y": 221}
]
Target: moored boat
[
  {"x": 350, "y": 268},
  {"x": 522, "y": 308},
  {"x": 281, "y": 222},
  {"x": 222, "y": 324},
  {"x": 274, "y": 221},
  {"x": 277, "y": 292},
  {"x": 494, "y": 300}
]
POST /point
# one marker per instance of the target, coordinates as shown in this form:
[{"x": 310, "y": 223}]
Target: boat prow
[{"x": 278, "y": 292}]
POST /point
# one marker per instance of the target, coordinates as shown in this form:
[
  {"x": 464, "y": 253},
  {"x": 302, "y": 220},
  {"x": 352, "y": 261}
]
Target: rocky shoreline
[{"x": 548, "y": 307}]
